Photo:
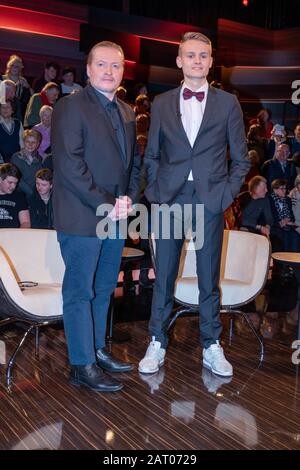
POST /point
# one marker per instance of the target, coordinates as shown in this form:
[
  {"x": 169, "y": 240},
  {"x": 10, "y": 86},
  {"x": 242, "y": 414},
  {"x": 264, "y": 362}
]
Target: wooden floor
[{"x": 183, "y": 406}]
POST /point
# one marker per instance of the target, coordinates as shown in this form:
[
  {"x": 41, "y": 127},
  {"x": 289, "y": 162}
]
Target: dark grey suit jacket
[
  {"x": 88, "y": 167},
  {"x": 169, "y": 156}
]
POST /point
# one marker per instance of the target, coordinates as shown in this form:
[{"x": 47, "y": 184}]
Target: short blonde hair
[
  {"x": 32, "y": 133},
  {"x": 255, "y": 182},
  {"x": 110, "y": 44},
  {"x": 194, "y": 36},
  {"x": 44, "y": 108}
]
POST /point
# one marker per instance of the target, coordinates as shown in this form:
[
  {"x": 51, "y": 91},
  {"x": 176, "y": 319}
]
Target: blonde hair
[
  {"x": 44, "y": 108},
  {"x": 14, "y": 59},
  {"x": 194, "y": 36},
  {"x": 109, "y": 44},
  {"x": 255, "y": 182},
  {"x": 32, "y": 133}
]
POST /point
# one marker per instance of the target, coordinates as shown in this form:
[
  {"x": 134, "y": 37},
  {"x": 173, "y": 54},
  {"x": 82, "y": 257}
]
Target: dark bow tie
[{"x": 187, "y": 94}]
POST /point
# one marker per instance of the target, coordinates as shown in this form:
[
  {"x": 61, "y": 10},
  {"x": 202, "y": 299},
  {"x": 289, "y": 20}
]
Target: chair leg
[
  {"x": 178, "y": 313},
  {"x": 12, "y": 360},
  {"x": 37, "y": 341},
  {"x": 250, "y": 324}
]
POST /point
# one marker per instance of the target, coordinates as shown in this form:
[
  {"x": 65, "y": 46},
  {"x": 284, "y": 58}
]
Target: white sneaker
[
  {"x": 153, "y": 359},
  {"x": 214, "y": 359}
]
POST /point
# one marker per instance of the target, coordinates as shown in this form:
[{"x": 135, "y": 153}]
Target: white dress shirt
[{"x": 192, "y": 111}]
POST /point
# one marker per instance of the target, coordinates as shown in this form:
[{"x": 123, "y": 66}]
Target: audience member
[
  {"x": 68, "y": 85},
  {"x": 44, "y": 128},
  {"x": 28, "y": 161},
  {"x": 14, "y": 211},
  {"x": 11, "y": 132},
  {"x": 40, "y": 202},
  {"x": 48, "y": 96},
  {"x": 50, "y": 75}
]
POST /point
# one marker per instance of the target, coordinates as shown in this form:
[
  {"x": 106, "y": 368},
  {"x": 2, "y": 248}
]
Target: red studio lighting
[{"x": 245, "y": 3}]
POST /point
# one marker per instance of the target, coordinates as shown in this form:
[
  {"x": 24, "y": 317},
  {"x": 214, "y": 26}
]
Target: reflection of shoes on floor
[
  {"x": 292, "y": 316},
  {"x": 213, "y": 382},
  {"x": 154, "y": 380}
]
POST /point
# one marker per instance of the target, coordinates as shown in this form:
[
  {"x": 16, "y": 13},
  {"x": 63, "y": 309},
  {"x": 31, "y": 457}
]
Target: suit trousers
[
  {"x": 208, "y": 260},
  {"x": 91, "y": 275}
]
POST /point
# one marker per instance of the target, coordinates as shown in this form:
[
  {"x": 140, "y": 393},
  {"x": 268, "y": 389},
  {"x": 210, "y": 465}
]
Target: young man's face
[
  {"x": 195, "y": 60},
  {"x": 68, "y": 78},
  {"x": 106, "y": 69},
  {"x": 43, "y": 187},
  {"x": 31, "y": 144},
  {"x": 51, "y": 73},
  {"x": 8, "y": 185}
]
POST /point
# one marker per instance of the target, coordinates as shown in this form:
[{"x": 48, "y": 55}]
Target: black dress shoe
[
  {"x": 91, "y": 376},
  {"x": 107, "y": 362}
]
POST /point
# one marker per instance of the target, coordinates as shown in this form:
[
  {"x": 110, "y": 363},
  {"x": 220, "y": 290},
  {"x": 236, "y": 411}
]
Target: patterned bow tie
[{"x": 187, "y": 94}]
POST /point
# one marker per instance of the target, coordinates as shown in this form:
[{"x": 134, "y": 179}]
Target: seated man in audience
[
  {"x": 280, "y": 167},
  {"x": 68, "y": 85},
  {"x": 50, "y": 75},
  {"x": 48, "y": 96},
  {"x": 40, "y": 202},
  {"x": 256, "y": 211},
  {"x": 14, "y": 211},
  {"x": 295, "y": 141}
]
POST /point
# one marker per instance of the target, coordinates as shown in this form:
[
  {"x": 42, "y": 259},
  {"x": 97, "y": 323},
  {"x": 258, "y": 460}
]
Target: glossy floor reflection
[{"x": 183, "y": 406}]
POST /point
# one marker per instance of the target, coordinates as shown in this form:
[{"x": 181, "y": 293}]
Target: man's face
[
  {"x": 282, "y": 153},
  {"x": 43, "y": 187},
  {"x": 51, "y": 73},
  {"x": 8, "y": 185},
  {"x": 195, "y": 59},
  {"x": 52, "y": 95},
  {"x": 68, "y": 78},
  {"x": 106, "y": 69},
  {"x": 297, "y": 132}
]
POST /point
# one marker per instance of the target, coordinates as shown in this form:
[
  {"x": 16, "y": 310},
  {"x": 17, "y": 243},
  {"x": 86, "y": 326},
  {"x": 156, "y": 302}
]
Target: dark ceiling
[{"x": 272, "y": 14}]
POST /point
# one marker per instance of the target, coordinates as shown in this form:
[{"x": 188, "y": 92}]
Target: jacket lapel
[
  {"x": 209, "y": 112},
  {"x": 177, "y": 114}
]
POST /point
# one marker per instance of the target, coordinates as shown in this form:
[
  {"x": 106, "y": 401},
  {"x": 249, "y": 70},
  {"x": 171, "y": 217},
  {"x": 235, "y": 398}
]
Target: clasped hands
[{"x": 122, "y": 208}]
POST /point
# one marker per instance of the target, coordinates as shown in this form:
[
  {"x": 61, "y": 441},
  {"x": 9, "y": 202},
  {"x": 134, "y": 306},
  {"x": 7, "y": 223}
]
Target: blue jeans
[{"x": 92, "y": 268}]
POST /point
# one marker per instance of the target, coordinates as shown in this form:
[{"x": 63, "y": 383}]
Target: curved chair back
[{"x": 34, "y": 254}]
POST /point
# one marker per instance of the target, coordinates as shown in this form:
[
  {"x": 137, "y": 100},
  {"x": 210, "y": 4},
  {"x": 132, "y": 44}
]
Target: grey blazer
[
  {"x": 87, "y": 165},
  {"x": 169, "y": 156}
]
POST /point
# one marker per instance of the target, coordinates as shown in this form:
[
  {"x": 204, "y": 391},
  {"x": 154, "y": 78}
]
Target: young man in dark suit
[
  {"x": 95, "y": 162},
  {"x": 185, "y": 161}
]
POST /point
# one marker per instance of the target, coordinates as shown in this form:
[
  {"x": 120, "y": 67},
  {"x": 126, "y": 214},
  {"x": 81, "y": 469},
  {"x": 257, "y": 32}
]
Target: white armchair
[
  {"x": 244, "y": 269},
  {"x": 31, "y": 273}
]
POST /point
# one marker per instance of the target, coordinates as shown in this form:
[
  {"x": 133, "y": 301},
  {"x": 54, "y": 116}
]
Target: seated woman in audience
[
  {"x": 11, "y": 132},
  {"x": 40, "y": 202},
  {"x": 295, "y": 197},
  {"x": 48, "y": 96},
  {"x": 13, "y": 72},
  {"x": 28, "y": 161},
  {"x": 44, "y": 128},
  {"x": 256, "y": 142},
  {"x": 284, "y": 236},
  {"x": 256, "y": 215}
]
